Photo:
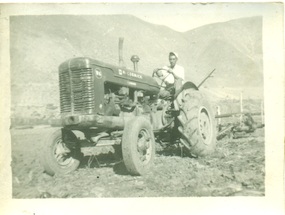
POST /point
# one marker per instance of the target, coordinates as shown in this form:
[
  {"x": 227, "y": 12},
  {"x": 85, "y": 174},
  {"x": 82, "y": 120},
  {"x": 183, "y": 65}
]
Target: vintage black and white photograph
[{"x": 139, "y": 100}]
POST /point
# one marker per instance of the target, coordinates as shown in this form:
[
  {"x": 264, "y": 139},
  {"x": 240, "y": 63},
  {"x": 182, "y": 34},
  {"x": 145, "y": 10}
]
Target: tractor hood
[{"x": 118, "y": 72}]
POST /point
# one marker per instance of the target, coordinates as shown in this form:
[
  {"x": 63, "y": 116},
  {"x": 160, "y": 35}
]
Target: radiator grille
[{"x": 76, "y": 91}]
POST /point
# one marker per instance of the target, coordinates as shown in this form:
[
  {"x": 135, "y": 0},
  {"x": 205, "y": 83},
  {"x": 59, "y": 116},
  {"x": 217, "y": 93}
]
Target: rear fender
[
  {"x": 177, "y": 100},
  {"x": 187, "y": 85}
]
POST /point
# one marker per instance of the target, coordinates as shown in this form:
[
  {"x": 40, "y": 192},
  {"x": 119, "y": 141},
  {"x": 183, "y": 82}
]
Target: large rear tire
[
  {"x": 58, "y": 156},
  {"x": 197, "y": 129},
  {"x": 138, "y": 146}
]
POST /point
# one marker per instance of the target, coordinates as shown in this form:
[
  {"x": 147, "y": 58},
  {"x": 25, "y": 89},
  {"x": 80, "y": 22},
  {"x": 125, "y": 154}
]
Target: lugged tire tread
[{"x": 192, "y": 101}]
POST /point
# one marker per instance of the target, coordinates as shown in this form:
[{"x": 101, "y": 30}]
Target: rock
[{"x": 45, "y": 195}]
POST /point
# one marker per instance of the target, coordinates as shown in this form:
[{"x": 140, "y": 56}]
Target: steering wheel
[{"x": 161, "y": 80}]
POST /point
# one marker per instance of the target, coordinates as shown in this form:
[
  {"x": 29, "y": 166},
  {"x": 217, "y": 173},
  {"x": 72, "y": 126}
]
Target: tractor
[{"x": 115, "y": 106}]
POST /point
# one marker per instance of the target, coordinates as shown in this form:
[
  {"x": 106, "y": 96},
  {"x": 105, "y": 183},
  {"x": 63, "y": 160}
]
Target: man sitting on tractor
[{"x": 172, "y": 76}]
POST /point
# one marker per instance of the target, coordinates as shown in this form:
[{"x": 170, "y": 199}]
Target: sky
[
  {"x": 184, "y": 16},
  {"x": 178, "y": 16}
]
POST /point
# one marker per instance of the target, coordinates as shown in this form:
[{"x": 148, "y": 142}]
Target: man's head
[{"x": 173, "y": 57}]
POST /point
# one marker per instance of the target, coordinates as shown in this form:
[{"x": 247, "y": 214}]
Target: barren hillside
[{"x": 40, "y": 43}]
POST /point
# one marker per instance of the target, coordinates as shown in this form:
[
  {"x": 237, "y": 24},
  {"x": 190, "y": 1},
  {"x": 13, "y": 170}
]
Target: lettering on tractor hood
[{"x": 128, "y": 73}]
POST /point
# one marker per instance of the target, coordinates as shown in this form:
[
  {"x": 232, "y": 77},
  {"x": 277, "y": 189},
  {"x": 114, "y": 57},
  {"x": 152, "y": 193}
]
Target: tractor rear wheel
[
  {"x": 197, "y": 129},
  {"x": 138, "y": 146},
  {"x": 58, "y": 156}
]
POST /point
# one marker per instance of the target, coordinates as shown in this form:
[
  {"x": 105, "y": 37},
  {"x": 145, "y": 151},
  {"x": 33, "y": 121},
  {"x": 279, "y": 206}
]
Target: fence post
[
  {"x": 218, "y": 112},
  {"x": 241, "y": 107}
]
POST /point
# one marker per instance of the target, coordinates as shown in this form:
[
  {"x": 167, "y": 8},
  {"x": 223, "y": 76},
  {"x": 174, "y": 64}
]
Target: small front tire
[
  {"x": 58, "y": 157},
  {"x": 138, "y": 146}
]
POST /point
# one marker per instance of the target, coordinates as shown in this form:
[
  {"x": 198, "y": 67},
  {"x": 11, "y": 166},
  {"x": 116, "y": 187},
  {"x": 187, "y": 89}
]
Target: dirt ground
[{"x": 237, "y": 168}]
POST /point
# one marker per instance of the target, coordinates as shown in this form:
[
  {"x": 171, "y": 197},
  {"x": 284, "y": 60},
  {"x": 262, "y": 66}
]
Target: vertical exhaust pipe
[
  {"x": 121, "y": 60},
  {"x": 135, "y": 59}
]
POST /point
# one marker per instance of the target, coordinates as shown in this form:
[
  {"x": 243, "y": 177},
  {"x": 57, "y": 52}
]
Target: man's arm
[{"x": 178, "y": 74}]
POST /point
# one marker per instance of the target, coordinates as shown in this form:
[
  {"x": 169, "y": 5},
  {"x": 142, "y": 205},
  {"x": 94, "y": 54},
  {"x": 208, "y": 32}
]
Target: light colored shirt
[{"x": 177, "y": 70}]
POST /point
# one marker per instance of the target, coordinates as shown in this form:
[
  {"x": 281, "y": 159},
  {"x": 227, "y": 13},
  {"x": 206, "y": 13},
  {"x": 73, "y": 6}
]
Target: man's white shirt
[{"x": 177, "y": 70}]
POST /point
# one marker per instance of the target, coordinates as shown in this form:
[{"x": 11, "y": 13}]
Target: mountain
[
  {"x": 234, "y": 48},
  {"x": 38, "y": 44}
]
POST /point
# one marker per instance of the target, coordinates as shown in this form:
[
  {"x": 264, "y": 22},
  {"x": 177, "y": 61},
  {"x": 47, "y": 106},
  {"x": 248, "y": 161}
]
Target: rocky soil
[{"x": 237, "y": 168}]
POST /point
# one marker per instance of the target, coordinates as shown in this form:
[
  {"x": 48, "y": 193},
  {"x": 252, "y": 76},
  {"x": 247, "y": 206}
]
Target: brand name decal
[{"x": 131, "y": 74}]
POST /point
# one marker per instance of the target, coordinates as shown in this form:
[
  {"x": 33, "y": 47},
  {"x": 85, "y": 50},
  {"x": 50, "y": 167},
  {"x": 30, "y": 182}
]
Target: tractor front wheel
[
  {"x": 58, "y": 156},
  {"x": 138, "y": 146}
]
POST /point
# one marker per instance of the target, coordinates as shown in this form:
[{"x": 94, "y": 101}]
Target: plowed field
[{"x": 235, "y": 169}]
